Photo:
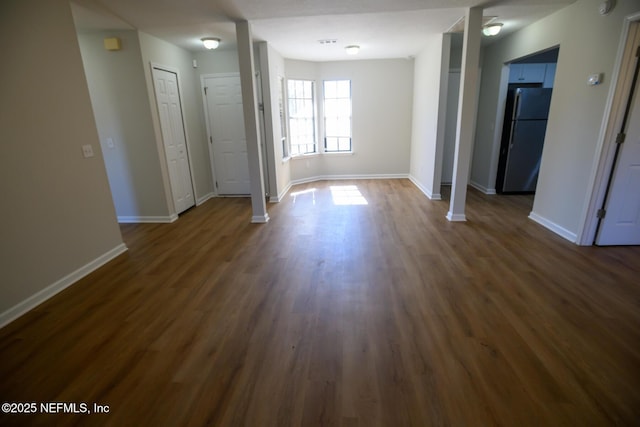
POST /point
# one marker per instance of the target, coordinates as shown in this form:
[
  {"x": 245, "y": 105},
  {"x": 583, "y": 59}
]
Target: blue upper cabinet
[{"x": 527, "y": 73}]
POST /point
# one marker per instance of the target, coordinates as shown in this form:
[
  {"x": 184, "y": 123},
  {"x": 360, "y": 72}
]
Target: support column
[
  {"x": 467, "y": 111},
  {"x": 251, "y": 121}
]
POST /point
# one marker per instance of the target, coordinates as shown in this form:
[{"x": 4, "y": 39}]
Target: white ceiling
[{"x": 383, "y": 28}]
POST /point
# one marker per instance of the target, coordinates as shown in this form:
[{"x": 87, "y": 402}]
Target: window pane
[
  {"x": 344, "y": 144},
  {"x": 337, "y": 115},
  {"x": 301, "y": 103},
  {"x": 344, "y": 89},
  {"x": 330, "y": 108},
  {"x": 329, "y": 89}
]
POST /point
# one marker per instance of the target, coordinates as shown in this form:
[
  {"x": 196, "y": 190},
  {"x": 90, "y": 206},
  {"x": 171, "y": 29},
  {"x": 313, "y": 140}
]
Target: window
[
  {"x": 302, "y": 122},
  {"x": 337, "y": 115},
  {"x": 283, "y": 120}
]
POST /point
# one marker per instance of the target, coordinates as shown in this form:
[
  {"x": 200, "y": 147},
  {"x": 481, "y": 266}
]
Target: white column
[
  {"x": 251, "y": 121},
  {"x": 467, "y": 110}
]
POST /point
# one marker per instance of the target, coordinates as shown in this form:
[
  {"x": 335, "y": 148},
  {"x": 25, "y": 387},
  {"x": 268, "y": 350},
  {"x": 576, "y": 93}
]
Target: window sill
[
  {"x": 330, "y": 154},
  {"x": 338, "y": 153},
  {"x": 304, "y": 156}
]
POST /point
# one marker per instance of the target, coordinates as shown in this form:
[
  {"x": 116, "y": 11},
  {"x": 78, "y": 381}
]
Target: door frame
[
  {"x": 161, "y": 151},
  {"x": 603, "y": 161},
  {"x": 203, "y": 77}
]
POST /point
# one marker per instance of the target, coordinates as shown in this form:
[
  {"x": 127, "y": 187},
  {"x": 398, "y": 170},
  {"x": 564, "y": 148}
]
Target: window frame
[
  {"x": 284, "y": 118},
  {"x": 325, "y": 117},
  {"x": 296, "y": 152}
]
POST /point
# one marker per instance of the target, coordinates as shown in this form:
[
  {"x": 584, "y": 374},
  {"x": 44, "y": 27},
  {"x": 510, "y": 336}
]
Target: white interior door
[
  {"x": 621, "y": 223},
  {"x": 173, "y": 136},
  {"x": 228, "y": 141}
]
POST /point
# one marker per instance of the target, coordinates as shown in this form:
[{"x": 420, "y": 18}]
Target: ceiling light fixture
[
  {"x": 352, "y": 50},
  {"x": 211, "y": 42},
  {"x": 491, "y": 29}
]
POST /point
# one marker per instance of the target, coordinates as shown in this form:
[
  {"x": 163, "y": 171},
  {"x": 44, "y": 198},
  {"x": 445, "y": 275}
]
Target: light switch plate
[{"x": 87, "y": 151}]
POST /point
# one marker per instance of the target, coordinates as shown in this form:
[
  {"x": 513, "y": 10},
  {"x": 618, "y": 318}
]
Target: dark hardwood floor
[{"x": 377, "y": 314}]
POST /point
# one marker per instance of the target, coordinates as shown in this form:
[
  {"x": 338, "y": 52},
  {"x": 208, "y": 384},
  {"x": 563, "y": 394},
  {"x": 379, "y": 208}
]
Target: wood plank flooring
[{"x": 378, "y": 314}]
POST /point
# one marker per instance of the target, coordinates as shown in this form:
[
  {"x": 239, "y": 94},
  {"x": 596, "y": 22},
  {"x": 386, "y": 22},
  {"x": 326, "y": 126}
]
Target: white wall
[
  {"x": 123, "y": 114},
  {"x": 588, "y": 44},
  {"x": 216, "y": 61},
  {"x": 382, "y": 94},
  {"x": 429, "y": 87},
  {"x": 160, "y": 52},
  {"x": 272, "y": 71},
  {"x": 57, "y": 216}
]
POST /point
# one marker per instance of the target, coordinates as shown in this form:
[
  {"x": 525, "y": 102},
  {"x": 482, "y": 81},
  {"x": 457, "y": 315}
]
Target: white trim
[
  {"x": 598, "y": 178},
  {"x": 430, "y": 195},
  {"x": 348, "y": 177},
  {"x": 482, "y": 188},
  {"x": 39, "y": 297},
  {"x": 550, "y": 225},
  {"x": 232, "y": 74},
  {"x": 304, "y": 156},
  {"x": 337, "y": 153},
  {"x": 280, "y": 197},
  {"x": 147, "y": 219},
  {"x": 204, "y": 198},
  {"x": 456, "y": 217},
  {"x": 260, "y": 219}
]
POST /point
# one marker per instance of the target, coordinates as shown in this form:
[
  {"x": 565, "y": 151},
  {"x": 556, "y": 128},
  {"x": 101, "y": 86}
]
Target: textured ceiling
[{"x": 383, "y": 28}]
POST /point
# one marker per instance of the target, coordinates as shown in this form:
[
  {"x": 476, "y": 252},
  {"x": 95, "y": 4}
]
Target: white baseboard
[
  {"x": 482, "y": 188},
  {"x": 348, "y": 177},
  {"x": 260, "y": 219},
  {"x": 429, "y": 194},
  {"x": 279, "y": 197},
  {"x": 456, "y": 217},
  {"x": 204, "y": 198},
  {"x": 561, "y": 231},
  {"x": 147, "y": 219},
  {"x": 38, "y": 298}
]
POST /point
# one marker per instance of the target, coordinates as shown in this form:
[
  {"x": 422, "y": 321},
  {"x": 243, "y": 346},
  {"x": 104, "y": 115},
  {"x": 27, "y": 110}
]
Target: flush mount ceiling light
[
  {"x": 352, "y": 50},
  {"x": 211, "y": 42},
  {"x": 491, "y": 29}
]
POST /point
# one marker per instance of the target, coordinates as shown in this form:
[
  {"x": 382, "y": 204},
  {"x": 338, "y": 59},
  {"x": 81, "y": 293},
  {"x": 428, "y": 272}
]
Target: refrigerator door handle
[
  {"x": 513, "y": 127},
  {"x": 516, "y": 106}
]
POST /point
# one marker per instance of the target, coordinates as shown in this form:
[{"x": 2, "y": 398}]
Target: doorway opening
[
  {"x": 528, "y": 98},
  {"x": 227, "y": 139},
  {"x": 619, "y": 213}
]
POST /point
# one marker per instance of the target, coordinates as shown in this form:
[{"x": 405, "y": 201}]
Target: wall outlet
[
  {"x": 87, "y": 151},
  {"x": 109, "y": 142}
]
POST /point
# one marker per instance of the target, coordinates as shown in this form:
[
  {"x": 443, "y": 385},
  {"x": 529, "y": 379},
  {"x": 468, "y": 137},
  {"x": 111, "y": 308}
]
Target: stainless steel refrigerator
[{"x": 524, "y": 129}]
